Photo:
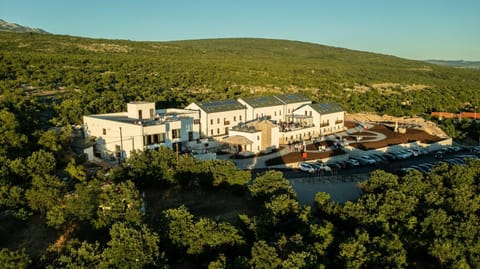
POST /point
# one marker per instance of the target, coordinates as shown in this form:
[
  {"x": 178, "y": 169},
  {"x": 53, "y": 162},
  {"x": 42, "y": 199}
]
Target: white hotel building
[{"x": 248, "y": 125}]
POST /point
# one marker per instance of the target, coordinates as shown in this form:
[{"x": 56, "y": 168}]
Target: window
[
  {"x": 234, "y": 118},
  {"x": 211, "y": 132},
  {"x": 148, "y": 139},
  {"x": 161, "y": 137},
  {"x": 218, "y": 120},
  {"x": 258, "y": 137},
  {"x": 310, "y": 113},
  {"x": 104, "y": 131},
  {"x": 139, "y": 114},
  {"x": 289, "y": 111},
  {"x": 306, "y": 113},
  {"x": 151, "y": 113},
  {"x": 226, "y": 130},
  {"x": 211, "y": 121},
  {"x": 218, "y": 130},
  {"x": 240, "y": 117},
  {"x": 175, "y": 133},
  {"x": 196, "y": 121},
  {"x": 190, "y": 136},
  {"x": 280, "y": 112},
  {"x": 275, "y": 113},
  {"x": 256, "y": 116}
]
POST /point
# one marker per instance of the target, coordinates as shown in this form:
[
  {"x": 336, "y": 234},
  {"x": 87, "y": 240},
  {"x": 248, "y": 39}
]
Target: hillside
[
  {"x": 174, "y": 73},
  {"x": 17, "y": 28},
  {"x": 459, "y": 63}
]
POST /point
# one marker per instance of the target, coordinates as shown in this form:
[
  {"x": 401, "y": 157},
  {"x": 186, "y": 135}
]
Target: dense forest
[{"x": 155, "y": 210}]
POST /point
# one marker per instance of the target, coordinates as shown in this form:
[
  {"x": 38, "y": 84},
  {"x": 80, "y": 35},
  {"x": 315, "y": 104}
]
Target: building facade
[
  {"x": 217, "y": 117},
  {"x": 257, "y": 124},
  {"x": 268, "y": 107},
  {"x": 327, "y": 118},
  {"x": 142, "y": 126}
]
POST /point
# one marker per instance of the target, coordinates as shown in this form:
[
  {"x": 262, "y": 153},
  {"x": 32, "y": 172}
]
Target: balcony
[
  {"x": 338, "y": 121},
  {"x": 324, "y": 124},
  {"x": 293, "y": 126},
  {"x": 226, "y": 122}
]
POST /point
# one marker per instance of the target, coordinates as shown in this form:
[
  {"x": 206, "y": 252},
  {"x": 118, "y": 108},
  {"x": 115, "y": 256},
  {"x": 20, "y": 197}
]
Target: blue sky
[{"x": 413, "y": 29}]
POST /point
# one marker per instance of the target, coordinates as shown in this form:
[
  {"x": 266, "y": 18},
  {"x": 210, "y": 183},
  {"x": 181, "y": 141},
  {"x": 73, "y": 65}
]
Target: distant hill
[
  {"x": 105, "y": 74},
  {"x": 458, "y": 63},
  {"x": 17, "y": 28}
]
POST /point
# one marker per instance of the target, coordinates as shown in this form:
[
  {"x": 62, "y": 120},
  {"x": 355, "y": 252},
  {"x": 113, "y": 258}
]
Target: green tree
[
  {"x": 13, "y": 259},
  {"x": 131, "y": 247},
  {"x": 41, "y": 163},
  {"x": 151, "y": 166},
  {"x": 270, "y": 184},
  {"x": 264, "y": 256},
  {"x": 199, "y": 236},
  {"x": 46, "y": 192},
  {"x": 118, "y": 202},
  {"x": 10, "y": 136},
  {"x": 79, "y": 255}
]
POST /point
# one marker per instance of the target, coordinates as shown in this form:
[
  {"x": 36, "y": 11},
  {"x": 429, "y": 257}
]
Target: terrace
[{"x": 295, "y": 122}]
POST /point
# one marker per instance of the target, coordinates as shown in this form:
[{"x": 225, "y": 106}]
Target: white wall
[
  {"x": 210, "y": 122},
  {"x": 331, "y": 119},
  {"x": 131, "y": 137},
  {"x": 275, "y": 112},
  {"x": 114, "y": 135},
  {"x": 147, "y": 108},
  {"x": 255, "y": 137},
  {"x": 298, "y": 135},
  {"x": 292, "y": 107}
]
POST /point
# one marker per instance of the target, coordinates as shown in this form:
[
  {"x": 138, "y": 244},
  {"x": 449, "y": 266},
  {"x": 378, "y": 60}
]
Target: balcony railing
[
  {"x": 338, "y": 121},
  {"x": 284, "y": 127},
  {"x": 324, "y": 124},
  {"x": 226, "y": 122}
]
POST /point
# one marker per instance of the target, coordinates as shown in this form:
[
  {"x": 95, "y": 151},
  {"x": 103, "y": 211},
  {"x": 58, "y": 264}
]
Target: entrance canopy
[{"x": 237, "y": 140}]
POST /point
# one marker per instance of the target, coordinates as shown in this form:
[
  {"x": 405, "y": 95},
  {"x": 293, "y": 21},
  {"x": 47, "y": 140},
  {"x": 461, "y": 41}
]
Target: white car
[
  {"x": 305, "y": 167},
  {"x": 321, "y": 167}
]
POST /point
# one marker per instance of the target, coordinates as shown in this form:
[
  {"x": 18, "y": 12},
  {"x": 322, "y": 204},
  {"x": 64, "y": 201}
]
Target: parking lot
[{"x": 399, "y": 165}]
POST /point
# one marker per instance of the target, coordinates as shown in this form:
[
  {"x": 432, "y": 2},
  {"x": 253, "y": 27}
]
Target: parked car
[
  {"x": 426, "y": 166},
  {"x": 439, "y": 154},
  {"x": 323, "y": 167},
  {"x": 403, "y": 154},
  {"x": 390, "y": 156},
  {"x": 414, "y": 152},
  {"x": 367, "y": 159},
  {"x": 377, "y": 158},
  {"x": 343, "y": 164},
  {"x": 306, "y": 167},
  {"x": 380, "y": 156},
  {"x": 419, "y": 168},
  {"x": 352, "y": 162},
  {"x": 335, "y": 165}
]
